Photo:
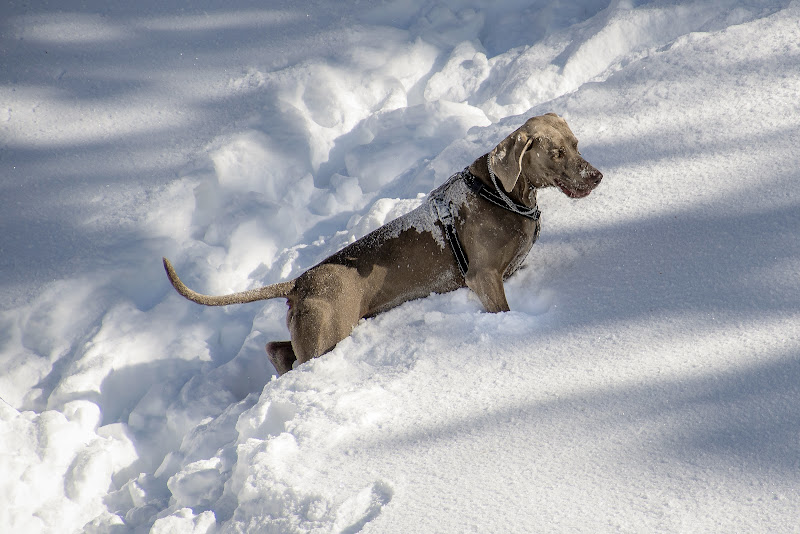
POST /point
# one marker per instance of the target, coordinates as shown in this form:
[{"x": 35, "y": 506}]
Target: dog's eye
[{"x": 558, "y": 153}]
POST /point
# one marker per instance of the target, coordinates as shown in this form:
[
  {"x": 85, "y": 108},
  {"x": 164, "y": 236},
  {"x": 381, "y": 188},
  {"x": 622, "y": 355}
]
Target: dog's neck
[{"x": 523, "y": 192}]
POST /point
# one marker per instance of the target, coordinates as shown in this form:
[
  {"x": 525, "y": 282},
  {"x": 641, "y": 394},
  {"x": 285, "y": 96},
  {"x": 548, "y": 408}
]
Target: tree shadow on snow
[{"x": 744, "y": 419}]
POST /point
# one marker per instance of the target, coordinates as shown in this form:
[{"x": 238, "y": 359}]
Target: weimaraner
[{"x": 474, "y": 230}]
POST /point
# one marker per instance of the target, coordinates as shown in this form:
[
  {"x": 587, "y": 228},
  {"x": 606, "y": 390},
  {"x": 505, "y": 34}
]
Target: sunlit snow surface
[{"x": 647, "y": 379}]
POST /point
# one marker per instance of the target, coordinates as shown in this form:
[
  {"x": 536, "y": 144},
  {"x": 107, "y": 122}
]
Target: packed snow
[{"x": 647, "y": 378}]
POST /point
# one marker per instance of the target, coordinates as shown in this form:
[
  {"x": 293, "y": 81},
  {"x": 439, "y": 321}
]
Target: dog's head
[{"x": 545, "y": 153}]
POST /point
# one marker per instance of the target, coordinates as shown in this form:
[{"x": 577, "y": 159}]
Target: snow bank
[{"x": 646, "y": 379}]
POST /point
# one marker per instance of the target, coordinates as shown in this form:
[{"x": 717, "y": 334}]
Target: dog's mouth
[
  {"x": 573, "y": 192},
  {"x": 589, "y": 180}
]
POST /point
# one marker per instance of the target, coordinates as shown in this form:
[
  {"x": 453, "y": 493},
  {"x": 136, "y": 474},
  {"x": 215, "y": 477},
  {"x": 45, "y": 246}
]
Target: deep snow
[{"x": 647, "y": 379}]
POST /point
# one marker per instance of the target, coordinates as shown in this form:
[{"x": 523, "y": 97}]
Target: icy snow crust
[{"x": 647, "y": 379}]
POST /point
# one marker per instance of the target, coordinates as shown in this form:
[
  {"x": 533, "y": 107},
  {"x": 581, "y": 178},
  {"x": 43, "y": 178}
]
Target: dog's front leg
[{"x": 488, "y": 285}]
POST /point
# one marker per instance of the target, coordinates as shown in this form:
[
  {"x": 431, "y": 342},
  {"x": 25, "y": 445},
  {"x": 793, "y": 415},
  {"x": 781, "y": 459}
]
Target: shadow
[
  {"x": 683, "y": 263},
  {"x": 747, "y": 417},
  {"x": 744, "y": 417},
  {"x": 111, "y": 103},
  {"x": 122, "y": 389},
  {"x": 125, "y": 387}
]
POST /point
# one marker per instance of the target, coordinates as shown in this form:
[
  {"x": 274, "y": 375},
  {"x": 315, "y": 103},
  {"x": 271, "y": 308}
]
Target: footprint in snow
[{"x": 354, "y": 513}]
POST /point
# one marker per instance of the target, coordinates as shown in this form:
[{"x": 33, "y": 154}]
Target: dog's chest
[{"x": 523, "y": 249}]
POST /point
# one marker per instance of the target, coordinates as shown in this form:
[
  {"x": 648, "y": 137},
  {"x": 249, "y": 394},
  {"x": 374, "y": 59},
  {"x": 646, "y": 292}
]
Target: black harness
[{"x": 496, "y": 197}]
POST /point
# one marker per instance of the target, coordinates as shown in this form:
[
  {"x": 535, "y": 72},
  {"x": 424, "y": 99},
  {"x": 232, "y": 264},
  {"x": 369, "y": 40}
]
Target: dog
[{"x": 474, "y": 230}]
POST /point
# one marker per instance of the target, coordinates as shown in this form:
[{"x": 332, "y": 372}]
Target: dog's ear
[{"x": 505, "y": 160}]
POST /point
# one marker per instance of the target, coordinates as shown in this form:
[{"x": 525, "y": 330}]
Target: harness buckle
[{"x": 443, "y": 211}]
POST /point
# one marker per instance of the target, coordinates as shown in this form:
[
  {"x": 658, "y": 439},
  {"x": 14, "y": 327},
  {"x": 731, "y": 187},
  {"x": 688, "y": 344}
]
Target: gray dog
[{"x": 474, "y": 230}]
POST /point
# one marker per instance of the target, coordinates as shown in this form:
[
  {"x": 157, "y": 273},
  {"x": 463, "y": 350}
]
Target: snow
[{"x": 646, "y": 379}]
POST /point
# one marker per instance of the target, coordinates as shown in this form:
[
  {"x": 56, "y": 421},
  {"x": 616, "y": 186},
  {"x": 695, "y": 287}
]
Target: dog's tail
[{"x": 274, "y": 291}]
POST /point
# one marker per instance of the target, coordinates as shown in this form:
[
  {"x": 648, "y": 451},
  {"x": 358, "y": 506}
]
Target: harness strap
[
  {"x": 480, "y": 189},
  {"x": 446, "y": 217}
]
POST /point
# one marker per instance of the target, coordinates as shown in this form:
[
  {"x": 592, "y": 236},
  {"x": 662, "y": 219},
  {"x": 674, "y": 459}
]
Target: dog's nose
[{"x": 595, "y": 176}]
